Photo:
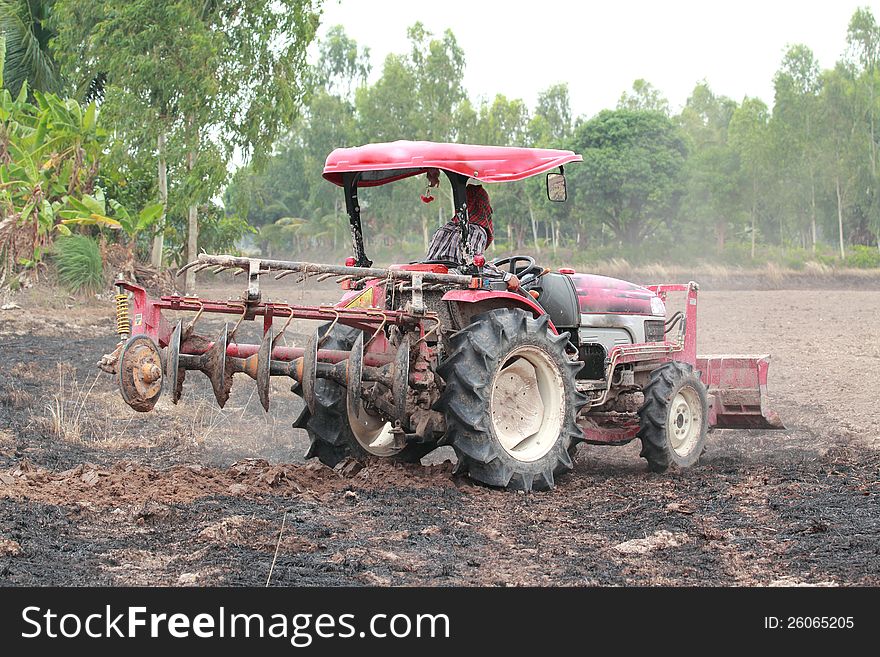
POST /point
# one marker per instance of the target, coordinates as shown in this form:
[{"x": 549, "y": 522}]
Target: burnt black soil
[{"x": 726, "y": 522}]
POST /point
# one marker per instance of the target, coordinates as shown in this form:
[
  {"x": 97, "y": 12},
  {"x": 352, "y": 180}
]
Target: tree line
[
  {"x": 119, "y": 120},
  {"x": 728, "y": 179}
]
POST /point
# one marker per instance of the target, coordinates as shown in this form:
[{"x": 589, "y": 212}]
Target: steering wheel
[{"x": 512, "y": 262}]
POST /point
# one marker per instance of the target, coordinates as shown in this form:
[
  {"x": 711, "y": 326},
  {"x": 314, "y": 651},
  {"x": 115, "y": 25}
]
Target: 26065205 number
[{"x": 820, "y": 622}]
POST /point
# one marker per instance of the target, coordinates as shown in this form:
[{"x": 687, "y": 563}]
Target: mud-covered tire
[
  {"x": 674, "y": 418},
  {"x": 332, "y": 440},
  {"x": 477, "y": 356}
]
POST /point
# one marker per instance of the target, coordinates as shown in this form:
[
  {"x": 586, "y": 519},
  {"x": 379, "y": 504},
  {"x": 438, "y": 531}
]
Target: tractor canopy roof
[{"x": 382, "y": 163}]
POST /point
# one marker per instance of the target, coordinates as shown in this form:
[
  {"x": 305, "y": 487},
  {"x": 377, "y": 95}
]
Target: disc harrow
[{"x": 159, "y": 354}]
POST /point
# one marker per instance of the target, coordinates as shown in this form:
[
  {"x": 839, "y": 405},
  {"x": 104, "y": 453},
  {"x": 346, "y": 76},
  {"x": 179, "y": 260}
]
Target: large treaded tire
[
  {"x": 667, "y": 381},
  {"x": 332, "y": 440},
  {"x": 476, "y": 354}
]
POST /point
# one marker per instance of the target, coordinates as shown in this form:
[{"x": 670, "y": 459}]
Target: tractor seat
[{"x": 434, "y": 268}]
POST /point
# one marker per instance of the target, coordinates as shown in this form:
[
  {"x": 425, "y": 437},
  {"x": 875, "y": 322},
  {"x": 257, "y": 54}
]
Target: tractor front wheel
[
  {"x": 674, "y": 418},
  {"x": 510, "y": 400}
]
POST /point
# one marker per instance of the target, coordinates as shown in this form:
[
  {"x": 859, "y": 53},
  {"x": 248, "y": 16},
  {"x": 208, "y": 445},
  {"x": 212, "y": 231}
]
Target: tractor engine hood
[{"x": 603, "y": 294}]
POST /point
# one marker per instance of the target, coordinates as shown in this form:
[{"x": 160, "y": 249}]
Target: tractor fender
[{"x": 478, "y": 301}]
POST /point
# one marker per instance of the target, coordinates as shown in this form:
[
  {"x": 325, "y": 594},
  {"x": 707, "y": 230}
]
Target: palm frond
[{"x": 27, "y": 57}]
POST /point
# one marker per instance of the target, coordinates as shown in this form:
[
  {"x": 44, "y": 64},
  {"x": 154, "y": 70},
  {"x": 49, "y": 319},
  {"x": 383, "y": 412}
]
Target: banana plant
[
  {"x": 89, "y": 210},
  {"x": 135, "y": 224},
  {"x": 50, "y": 149}
]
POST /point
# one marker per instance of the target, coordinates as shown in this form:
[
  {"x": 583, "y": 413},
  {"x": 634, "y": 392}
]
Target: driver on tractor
[{"x": 446, "y": 244}]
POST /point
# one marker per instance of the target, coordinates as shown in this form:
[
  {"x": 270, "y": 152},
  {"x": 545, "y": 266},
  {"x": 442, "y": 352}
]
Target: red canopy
[{"x": 384, "y": 163}]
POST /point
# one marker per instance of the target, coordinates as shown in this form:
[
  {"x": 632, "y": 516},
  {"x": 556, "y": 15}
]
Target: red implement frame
[
  {"x": 147, "y": 319},
  {"x": 736, "y": 385},
  {"x": 737, "y": 392}
]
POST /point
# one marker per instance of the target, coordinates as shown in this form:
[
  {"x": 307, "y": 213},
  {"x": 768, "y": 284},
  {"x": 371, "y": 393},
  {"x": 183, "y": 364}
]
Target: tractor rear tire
[
  {"x": 674, "y": 418},
  {"x": 332, "y": 440},
  {"x": 510, "y": 400}
]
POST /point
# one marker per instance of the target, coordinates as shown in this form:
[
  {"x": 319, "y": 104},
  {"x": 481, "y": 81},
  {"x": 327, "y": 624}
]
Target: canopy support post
[
  {"x": 349, "y": 184},
  {"x": 459, "y": 198}
]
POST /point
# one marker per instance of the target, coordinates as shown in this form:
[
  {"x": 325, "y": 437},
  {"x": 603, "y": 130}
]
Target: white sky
[{"x": 520, "y": 48}]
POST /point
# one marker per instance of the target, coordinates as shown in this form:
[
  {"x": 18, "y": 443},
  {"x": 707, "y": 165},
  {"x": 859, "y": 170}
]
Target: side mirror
[{"x": 556, "y": 190}]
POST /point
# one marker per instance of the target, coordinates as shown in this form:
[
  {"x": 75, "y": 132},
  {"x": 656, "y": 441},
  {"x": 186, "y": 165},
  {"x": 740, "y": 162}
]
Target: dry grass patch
[
  {"x": 15, "y": 397},
  {"x": 79, "y": 413},
  {"x": 65, "y": 409}
]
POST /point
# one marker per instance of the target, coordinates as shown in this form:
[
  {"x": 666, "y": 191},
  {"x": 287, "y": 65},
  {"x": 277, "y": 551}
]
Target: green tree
[
  {"x": 796, "y": 137},
  {"x": 550, "y": 127},
  {"x": 276, "y": 192},
  {"x": 438, "y": 65},
  {"x": 643, "y": 97},
  {"x": 863, "y": 38},
  {"x": 389, "y": 109},
  {"x": 285, "y": 195},
  {"x": 838, "y": 116},
  {"x": 503, "y": 122},
  {"x": 343, "y": 66},
  {"x": 551, "y": 122},
  {"x": 418, "y": 94},
  {"x": 631, "y": 174},
  {"x": 712, "y": 169},
  {"x": 749, "y": 135},
  {"x": 202, "y": 80}
]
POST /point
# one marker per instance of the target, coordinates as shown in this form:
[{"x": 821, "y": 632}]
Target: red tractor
[{"x": 425, "y": 354}]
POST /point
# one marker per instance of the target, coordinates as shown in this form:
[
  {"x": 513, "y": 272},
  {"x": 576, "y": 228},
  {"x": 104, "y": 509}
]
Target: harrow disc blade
[
  {"x": 373, "y": 433},
  {"x": 173, "y": 372},
  {"x": 264, "y": 366},
  {"x": 214, "y": 366},
  {"x": 140, "y": 373},
  {"x": 310, "y": 371},
  {"x": 354, "y": 372},
  {"x": 400, "y": 381}
]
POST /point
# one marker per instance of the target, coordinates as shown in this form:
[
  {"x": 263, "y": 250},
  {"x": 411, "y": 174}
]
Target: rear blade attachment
[{"x": 738, "y": 392}]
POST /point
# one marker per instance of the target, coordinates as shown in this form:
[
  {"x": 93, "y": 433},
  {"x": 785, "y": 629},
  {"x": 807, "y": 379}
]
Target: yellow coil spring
[{"x": 123, "y": 321}]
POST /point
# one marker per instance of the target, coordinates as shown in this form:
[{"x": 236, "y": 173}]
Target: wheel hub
[
  {"x": 684, "y": 421},
  {"x": 527, "y": 404},
  {"x": 374, "y": 434},
  {"x": 518, "y": 408},
  {"x": 140, "y": 373}
]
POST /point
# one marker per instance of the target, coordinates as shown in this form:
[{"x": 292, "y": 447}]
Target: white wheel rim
[
  {"x": 527, "y": 404},
  {"x": 373, "y": 434},
  {"x": 685, "y": 421}
]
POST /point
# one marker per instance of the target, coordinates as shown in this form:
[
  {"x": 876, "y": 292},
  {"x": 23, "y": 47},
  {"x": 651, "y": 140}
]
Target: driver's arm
[
  {"x": 512, "y": 280},
  {"x": 477, "y": 238}
]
